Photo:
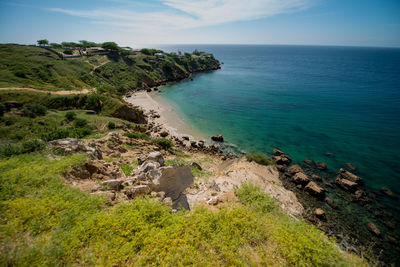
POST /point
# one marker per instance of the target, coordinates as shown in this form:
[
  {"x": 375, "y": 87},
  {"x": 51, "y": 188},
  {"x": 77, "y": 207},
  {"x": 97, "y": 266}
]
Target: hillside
[{"x": 36, "y": 67}]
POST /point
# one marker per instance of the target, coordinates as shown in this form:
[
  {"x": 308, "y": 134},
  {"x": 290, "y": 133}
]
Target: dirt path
[
  {"x": 95, "y": 67},
  {"x": 71, "y": 92}
]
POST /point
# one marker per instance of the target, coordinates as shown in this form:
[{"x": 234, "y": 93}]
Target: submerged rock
[
  {"x": 331, "y": 203},
  {"x": 346, "y": 184},
  {"x": 387, "y": 192},
  {"x": 350, "y": 167},
  {"x": 321, "y": 165},
  {"x": 373, "y": 229}
]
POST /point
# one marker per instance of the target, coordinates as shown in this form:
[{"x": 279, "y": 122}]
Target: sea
[
  {"x": 329, "y": 103},
  {"x": 333, "y": 104}
]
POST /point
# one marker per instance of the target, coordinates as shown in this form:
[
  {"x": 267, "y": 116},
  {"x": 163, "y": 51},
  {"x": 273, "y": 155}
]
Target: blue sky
[{"x": 136, "y": 23}]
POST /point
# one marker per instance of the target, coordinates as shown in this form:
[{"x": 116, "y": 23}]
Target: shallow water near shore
[
  {"x": 305, "y": 100},
  {"x": 333, "y": 104}
]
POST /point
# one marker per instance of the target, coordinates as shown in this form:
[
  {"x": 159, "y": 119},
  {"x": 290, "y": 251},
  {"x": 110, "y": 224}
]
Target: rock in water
[
  {"x": 388, "y": 192},
  {"x": 373, "y": 229},
  {"x": 295, "y": 169},
  {"x": 217, "y": 138},
  {"x": 321, "y": 165},
  {"x": 351, "y": 167},
  {"x": 315, "y": 190},
  {"x": 278, "y": 152},
  {"x": 320, "y": 213},
  {"x": 300, "y": 178},
  {"x": 349, "y": 176}
]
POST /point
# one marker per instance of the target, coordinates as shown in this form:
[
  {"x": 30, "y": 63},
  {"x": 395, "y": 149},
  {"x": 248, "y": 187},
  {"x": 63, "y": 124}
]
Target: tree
[
  {"x": 43, "y": 42},
  {"x": 110, "y": 46},
  {"x": 56, "y": 45}
]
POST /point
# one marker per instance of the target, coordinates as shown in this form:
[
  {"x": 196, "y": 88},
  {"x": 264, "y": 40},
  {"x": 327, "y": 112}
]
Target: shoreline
[{"x": 164, "y": 115}]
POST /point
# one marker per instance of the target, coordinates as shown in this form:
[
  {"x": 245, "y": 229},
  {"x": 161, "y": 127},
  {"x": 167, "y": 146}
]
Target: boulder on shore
[{"x": 217, "y": 138}]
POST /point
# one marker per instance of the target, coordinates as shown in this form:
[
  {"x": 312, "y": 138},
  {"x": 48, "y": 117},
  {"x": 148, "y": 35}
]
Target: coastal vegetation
[
  {"x": 45, "y": 219},
  {"x": 45, "y": 222},
  {"x": 115, "y": 72}
]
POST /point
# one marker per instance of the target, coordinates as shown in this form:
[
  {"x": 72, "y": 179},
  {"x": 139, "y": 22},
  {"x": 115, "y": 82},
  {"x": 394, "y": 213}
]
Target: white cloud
[{"x": 186, "y": 14}]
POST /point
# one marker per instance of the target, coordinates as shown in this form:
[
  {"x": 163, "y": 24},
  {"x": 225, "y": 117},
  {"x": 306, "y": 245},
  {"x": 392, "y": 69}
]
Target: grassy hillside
[
  {"x": 45, "y": 222},
  {"x": 36, "y": 67}
]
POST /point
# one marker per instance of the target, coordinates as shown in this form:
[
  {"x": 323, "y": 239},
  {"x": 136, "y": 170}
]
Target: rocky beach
[{"x": 337, "y": 202}]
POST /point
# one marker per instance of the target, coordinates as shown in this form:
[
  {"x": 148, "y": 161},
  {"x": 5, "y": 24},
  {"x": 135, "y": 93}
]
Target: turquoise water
[{"x": 304, "y": 100}]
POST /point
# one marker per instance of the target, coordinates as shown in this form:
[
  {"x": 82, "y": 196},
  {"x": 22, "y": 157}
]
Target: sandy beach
[{"x": 170, "y": 118}]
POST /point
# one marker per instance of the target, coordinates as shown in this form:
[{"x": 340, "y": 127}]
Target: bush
[
  {"x": 164, "y": 143},
  {"x": 2, "y": 109},
  {"x": 28, "y": 146},
  {"x": 253, "y": 196},
  {"x": 137, "y": 136},
  {"x": 36, "y": 109},
  {"x": 80, "y": 122},
  {"x": 68, "y": 52},
  {"x": 81, "y": 132},
  {"x": 111, "y": 125},
  {"x": 32, "y": 146},
  {"x": 70, "y": 115},
  {"x": 260, "y": 159}
]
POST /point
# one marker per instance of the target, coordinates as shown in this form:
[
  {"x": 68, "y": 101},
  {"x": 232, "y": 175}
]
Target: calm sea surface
[{"x": 304, "y": 100}]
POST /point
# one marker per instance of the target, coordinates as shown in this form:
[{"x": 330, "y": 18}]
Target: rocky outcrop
[
  {"x": 300, "y": 178},
  {"x": 315, "y": 190},
  {"x": 73, "y": 145},
  {"x": 347, "y": 180},
  {"x": 130, "y": 113},
  {"x": 217, "y": 138},
  {"x": 350, "y": 167}
]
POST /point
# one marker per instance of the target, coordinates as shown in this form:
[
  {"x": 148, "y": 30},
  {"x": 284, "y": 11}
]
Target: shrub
[
  {"x": 68, "y": 51},
  {"x": 111, "y": 125},
  {"x": 32, "y": 145},
  {"x": 137, "y": 136},
  {"x": 164, "y": 143},
  {"x": 127, "y": 169},
  {"x": 37, "y": 109},
  {"x": 81, "y": 132},
  {"x": 28, "y": 146},
  {"x": 253, "y": 196},
  {"x": 80, "y": 122},
  {"x": 259, "y": 158},
  {"x": 2, "y": 109},
  {"x": 70, "y": 115}
]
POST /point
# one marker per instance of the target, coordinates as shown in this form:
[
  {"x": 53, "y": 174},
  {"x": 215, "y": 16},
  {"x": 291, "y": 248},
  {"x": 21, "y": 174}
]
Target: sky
[{"x": 137, "y": 23}]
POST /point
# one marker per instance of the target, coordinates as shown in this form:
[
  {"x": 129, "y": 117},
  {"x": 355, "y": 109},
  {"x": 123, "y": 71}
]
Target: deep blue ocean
[{"x": 304, "y": 100}]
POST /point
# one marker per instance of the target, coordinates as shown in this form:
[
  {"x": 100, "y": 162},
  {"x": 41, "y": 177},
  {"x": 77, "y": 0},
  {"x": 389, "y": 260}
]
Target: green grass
[
  {"x": 28, "y": 66},
  {"x": 127, "y": 169},
  {"x": 135, "y": 135},
  {"x": 45, "y": 222},
  {"x": 260, "y": 159}
]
